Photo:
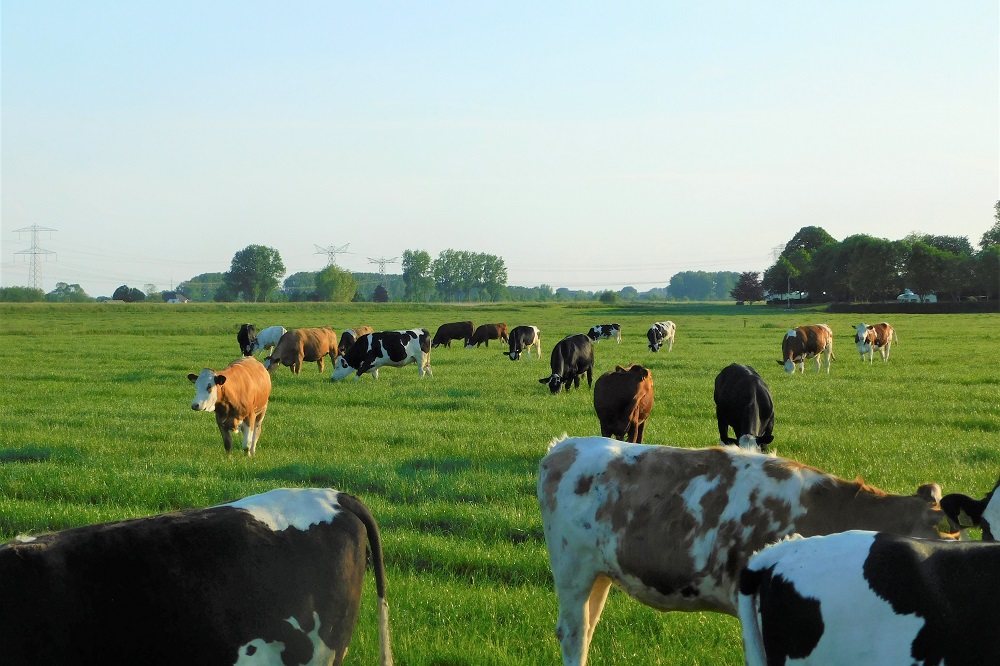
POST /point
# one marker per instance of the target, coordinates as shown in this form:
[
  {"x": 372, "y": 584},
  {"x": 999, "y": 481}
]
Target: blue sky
[{"x": 591, "y": 145}]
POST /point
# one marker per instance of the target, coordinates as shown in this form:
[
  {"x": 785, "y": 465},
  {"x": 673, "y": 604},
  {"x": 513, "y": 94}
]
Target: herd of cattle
[{"x": 819, "y": 570}]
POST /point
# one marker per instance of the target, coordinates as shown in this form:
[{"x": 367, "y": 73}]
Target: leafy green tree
[
  {"x": 782, "y": 277},
  {"x": 417, "y": 275},
  {"x": 255, "y": 272},
  {"x": 871, "y": 267},
  {"x": 692, "y": 285},
  {"x": 202, "y": 288},
  {"x": 299, "y": 286},
  {"x": 128, "y": 294},
  {"x": 493, "y": 278},
  {"x": 67, "y": 293},
  {"x": 992, "y": 237},
  {"x": 380, "y": 295},
  {"x": 608, "y": 297},
  {"x": 21, "y": 295},
  {"x": 628, "y": 293},
  {"x": 335, "y": 284},
  {"x": 749, "y": 288},
  {"x": 986, "y": 269},
  {"x": 809, "y": 239}
]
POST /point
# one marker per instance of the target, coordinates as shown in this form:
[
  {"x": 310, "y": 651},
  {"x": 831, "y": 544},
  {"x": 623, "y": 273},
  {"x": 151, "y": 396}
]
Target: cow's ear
[
  {"x": 220, "y": 380},
  {"x": 543, "y": 381},
  {"x": 780, "y": 362},
  {"x": 193, "y": 377}
]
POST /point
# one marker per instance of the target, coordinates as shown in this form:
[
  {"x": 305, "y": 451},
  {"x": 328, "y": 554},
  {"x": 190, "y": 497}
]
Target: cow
[
  {"x": 350, "y": 336},
  {"x": 743, "y": 403},
  {"x": 299, "y": 345},
  {"x": 863, "y": 597},
  {"x": 571, "y": 357},
  {"x": 605, "y": 331},
  {"x": 245, "y": 337},
  {"x": 238, "y": 395},
  {"x": 457, "y": 330},
  {"x": 674, "y": 527},
  {"x": 272, "y": 578},
  {"x": 806, "y": 342},
  {"x": 522, "y": 339},
  {"x": 251, "y": 341},
  {"x": 392, "y": 348},
  {"x": 870, "y": 339},
  {"x": 487, "y": 332},
  {"x": 963, "y": 512},
  {"x": 659, "y": 333},
  {"x": 623, "y": 399}
]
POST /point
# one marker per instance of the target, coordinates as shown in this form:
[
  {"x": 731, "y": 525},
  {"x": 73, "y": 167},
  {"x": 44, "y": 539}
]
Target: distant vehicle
[{"x": 909, "y": 297}]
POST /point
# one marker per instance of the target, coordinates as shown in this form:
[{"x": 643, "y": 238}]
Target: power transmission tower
[
  {"x": 382, "y": 261},
  {"x": 34, "y": 272},
  {"x": 331, "y": 253}
]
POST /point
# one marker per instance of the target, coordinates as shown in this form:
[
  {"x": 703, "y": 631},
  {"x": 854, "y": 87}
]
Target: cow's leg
[
  {"x": 321, "y": 362},
  {"x": 640, "y": 427},
  {"x": 590, "y": 374},
  {"x": 579, "y": 611},
  {"x": 247, "y": 430},
  {"x": 227, "y": 437}
]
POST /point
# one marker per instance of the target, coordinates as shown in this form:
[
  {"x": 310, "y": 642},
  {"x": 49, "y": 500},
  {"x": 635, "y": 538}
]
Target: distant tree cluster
[{"x": 456, "y": 275}]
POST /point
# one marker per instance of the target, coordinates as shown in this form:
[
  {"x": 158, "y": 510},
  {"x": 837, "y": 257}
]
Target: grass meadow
[{"x": 96, "y": 425}]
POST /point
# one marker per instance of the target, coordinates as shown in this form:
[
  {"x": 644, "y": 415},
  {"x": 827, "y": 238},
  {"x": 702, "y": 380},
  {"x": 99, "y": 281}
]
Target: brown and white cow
[
  {"x": 238, "y": 395},
  {"x": 300, "y": 345},
  {"x": 870, "y": 339},
  {"x": 486, "y": 332},
  {"x": 456, "y": 330},
  {"x": 806, "y": 342},
  {"x": 350, "y": 336},
  {"x": 674, "y": 527},
  {"x": 623, "y": 399},
  {"x": 273, "y": 578}
]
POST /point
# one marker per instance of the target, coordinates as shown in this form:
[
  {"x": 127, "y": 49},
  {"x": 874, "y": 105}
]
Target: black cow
[
  {"x": 247, "y": 334},
  {"x": 272, "y": 578},
  {"x": 522, "y": 339},
  {"x": 571, "y": 357},
  {"x": 603, "y": 331},
  {"x": 743, "y": 403},
  {"x": 963, "y": 512},
  {"x": 393, "y": 348},
  {"x": 456, "y": 330}
]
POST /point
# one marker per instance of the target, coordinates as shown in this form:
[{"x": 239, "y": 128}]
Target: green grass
[{"x": 96, "y": 425}]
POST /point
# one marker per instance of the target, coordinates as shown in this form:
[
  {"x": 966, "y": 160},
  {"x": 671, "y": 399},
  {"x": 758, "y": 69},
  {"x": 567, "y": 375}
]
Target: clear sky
[{"x": 591, "y": 145}]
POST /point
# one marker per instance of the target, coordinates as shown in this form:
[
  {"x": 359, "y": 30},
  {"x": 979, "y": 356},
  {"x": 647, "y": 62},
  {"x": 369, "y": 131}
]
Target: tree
[
  {"x": 299, "y": 286},
  {"x": 67, "y": 293},
  {"x": 255, "y": 272},
  {"x": 128, "y": 294},
  {"x": 417, "y": 275},
  {"x": 380, "y": 295},
  {"x": 748, "y": 288},
  {"x": 202, "y": 288},
  {"x": 335, "y": 284},
  {"x": 809, "y": 239},
  {"x": 992, "y": 237},
  {"x": 608, "y": 297},
  {"x": 871, "y": 267},
  {"x": 21, "y": 295}
]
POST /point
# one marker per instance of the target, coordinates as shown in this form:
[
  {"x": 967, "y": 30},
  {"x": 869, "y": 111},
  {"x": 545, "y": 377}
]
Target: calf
[
  {"x": 871, "y": 598},
  {"x": 604, "y": 331},
  {"x": 487, "y": 332},
  {"x": 522, "y": 339},
  {"x": 674, "y": 527},
  {"x": 350, "y": 336},
  {"x": 238, "y": 395},
  {"x": 806, "y": 342},
  {"x": 303, "y": 344},
  {"x": 870, "y": 339},
  {"x": 571, "y": 357},
  {"x": 458, "y": 330},
  {"x": 623, "y": 398},
  {"x": 660, "y": 333},
  {"x": 963, "y": 512},
  {"x": 392, "y": 348},
  {"x": 743, "y": 403},
  {"x": 272, "y": 578}
]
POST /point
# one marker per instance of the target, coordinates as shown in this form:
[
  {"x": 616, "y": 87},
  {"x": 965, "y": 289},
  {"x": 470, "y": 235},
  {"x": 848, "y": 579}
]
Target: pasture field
[{"x": 96, "y": 425}]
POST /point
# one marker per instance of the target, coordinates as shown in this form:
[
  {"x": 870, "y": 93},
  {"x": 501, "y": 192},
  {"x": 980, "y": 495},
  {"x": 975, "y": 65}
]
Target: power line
[
  {"x": 331, "y": 253},
  {"x": 382, "y": 261},
  {"x": 34, "y": 272}
]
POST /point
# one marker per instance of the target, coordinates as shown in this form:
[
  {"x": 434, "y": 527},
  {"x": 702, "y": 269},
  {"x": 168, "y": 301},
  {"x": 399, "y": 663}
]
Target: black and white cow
[
  {"x": 571, "y": 357},
  {"x": 743, "y": 403},
  {"x": 660, "y": 333},
  {"x": 252, "y": 341},
  {"x": 605, "y": 331},
  {"x": 245, "y": 337},
  {"x": 871, "y": 598},
  {"x": 392, "y": 348},
  {"x": 964, "y": 512},
  {"x": 272, "y": 578},
  {"x": 522, "y": 339}
]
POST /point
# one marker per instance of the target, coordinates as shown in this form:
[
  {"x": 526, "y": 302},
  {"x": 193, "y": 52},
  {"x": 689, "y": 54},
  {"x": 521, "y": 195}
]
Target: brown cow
[
  {"x": 806, "y": 342},
  {"x": 623, "y": 398},
  {"x": 458, "y": 330},
  {"x": 487, "y": 332},
  {"x": 871, "y": 338},
  {"x": 350, "y": 336},
  {"x": 303, "y": 344},
  {"x": 238, "y": 394}
]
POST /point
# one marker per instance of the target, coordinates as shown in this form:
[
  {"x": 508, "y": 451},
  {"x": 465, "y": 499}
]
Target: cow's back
[{"x": 248, "y": 385}]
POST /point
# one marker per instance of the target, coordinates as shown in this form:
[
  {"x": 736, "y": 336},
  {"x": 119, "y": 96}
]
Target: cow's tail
[
  {"x": 753, "y": 640},
  {"x": 358, "y": 508}
]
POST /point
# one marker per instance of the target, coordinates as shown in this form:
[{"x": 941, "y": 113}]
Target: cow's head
[
  {"x": 788, "y": 365},
  {"x": 514, "y": 354},
  {"x": 554, "y": 381},
  {"x": 205, "y": 392},
  {"x": 247, "y": 337},
  {"x": 340, "y": 369}
]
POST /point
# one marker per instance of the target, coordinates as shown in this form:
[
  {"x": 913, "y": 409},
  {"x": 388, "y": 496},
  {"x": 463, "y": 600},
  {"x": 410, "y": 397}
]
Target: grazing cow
[
  {"x": 487, "y": 332},
  {"x": 571, "y": 357},
  {"x": 623, "y": 398},
  {"x": 661, "y": 332},
  {"x": 743, "y": 403},
  {"x": 245, "y": 337},
  {"x": 350, "y": 336},
  {"x": 806, "y": 342},
  {"x": 303, "y": 344},
  {"x": 674, "y": 527},
  {"x": 871, "y": 598},
  {"x": 604, "y": 331},
  {"x": 457, "y": 330},
  {"x": 963, "y": 512},
  {"x": 522, "y": 339},
  {"x": 870, "y": 339},
  {"x": 272, "y": 578},
  {"x": 238, "y": 395},
  {"x": 392, "y": 348}
]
